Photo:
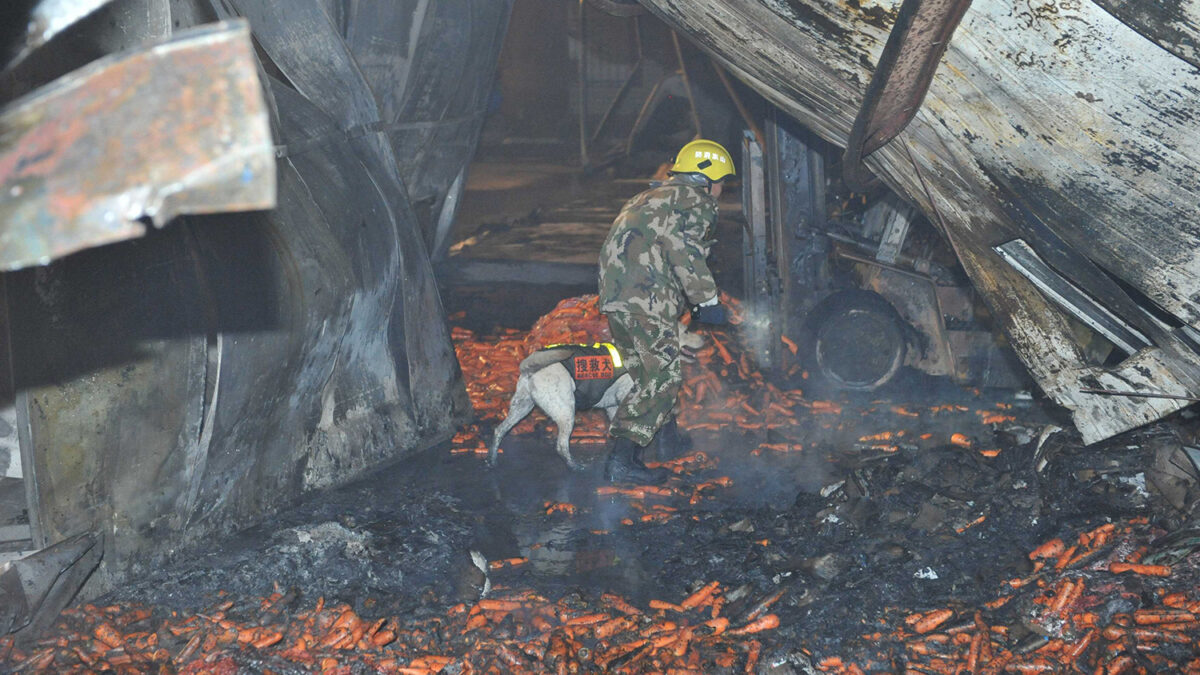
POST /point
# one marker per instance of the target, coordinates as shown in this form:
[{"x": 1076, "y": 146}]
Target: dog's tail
[{"x": 542, "y": 358}]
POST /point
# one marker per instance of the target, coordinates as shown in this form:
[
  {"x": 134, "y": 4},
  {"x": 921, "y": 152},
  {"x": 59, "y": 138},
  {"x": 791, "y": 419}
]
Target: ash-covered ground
[{"x": 923, "y": 496}]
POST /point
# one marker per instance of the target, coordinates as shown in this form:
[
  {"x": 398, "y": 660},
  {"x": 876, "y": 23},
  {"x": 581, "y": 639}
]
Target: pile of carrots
[
  {"x": 1091, "y": 603},
  {"x": 723, "y": 389},
  {"x": 491, "y": 366},
  {"x": 512, "y": 632},
  {"x": 716, "y": 392},
  {"x": 572, "y": 321}
]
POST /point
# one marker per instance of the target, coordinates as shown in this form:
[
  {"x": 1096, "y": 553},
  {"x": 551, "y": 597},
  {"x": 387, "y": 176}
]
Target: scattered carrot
[
  {"x": 792, "y": 347},
  {"x": 585, "y": 619},
  {"x": 1144, "y": 570},
  {"x": 764, "y": 622},
  {"x": 932, "y": 620},
  {"x": 700, "y": 597},
  {"x": 1050, "y": 549},
  {"x": 500, "y": 605},
  {"x": 108, "y": 635},
  {"x": 662, "y": 605}
]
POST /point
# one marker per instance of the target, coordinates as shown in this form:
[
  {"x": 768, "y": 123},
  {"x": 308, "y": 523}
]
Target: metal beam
[
  {"x": 1025, "y": 260},
  {"x": 460, "y": 272},
  {"x": 757, "y": 282}
]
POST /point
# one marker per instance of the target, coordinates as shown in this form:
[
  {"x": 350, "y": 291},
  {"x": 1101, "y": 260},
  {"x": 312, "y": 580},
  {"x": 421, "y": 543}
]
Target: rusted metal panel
[
  {"x": 1017, "y": 138},
  {"x": 179, "y": 128}
]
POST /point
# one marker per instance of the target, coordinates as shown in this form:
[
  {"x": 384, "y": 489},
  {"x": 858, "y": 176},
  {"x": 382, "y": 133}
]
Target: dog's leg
[
  {"x": 554, "y": 393},
  {"x": 520, "y": 406}
]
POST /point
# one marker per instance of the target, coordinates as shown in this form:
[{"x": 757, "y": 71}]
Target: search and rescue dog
[{"x": 547, "y": 381}]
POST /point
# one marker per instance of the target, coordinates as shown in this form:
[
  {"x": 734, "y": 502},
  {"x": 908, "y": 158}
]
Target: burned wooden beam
[
  {"x": 176, "y": 128},
  {"x": 910, "y": 58}
]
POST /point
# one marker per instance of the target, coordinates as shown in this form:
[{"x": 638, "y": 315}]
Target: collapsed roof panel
[
  {"x": 1057, "y": 125},
  {"x": 189, "y": 381}
]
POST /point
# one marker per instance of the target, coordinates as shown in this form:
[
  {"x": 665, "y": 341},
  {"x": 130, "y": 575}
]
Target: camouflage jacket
[{"x": 653, "y": 261}]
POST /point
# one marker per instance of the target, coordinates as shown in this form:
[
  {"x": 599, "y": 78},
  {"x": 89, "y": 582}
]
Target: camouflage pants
[{"x": 649, "y": 348}]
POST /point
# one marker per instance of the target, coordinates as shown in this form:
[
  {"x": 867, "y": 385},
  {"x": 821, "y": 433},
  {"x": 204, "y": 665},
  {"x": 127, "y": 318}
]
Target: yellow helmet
[{"x": 704, "y": 157}]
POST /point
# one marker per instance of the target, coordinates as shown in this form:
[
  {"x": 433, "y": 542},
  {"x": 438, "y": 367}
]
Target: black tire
[{"x": 856, "y": 341}]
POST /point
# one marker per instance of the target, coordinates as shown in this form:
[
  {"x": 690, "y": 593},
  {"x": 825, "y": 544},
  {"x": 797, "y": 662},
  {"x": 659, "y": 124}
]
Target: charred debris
[{"x": 926, "y": 528}]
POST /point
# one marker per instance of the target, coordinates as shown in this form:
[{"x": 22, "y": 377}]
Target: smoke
[{"x": 754, "y": 330}]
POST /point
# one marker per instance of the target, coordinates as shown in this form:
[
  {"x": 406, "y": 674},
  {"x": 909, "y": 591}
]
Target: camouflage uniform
[{"x": 652, "y": 268}]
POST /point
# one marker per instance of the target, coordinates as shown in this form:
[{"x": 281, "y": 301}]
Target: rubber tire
[{"x": 856, "y": 341}]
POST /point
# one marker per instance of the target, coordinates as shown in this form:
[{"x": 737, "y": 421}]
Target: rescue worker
[{"x": 652, "y": 269}]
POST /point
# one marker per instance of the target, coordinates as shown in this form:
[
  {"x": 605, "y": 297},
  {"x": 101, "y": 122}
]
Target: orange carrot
[
  {"x": 267, "y": 638},
  {"x": 932, "y": 620},
  {"x": 717, "y": 624},
  {"x": 108, "y": 635},
  {"x": 973, "y": 653},
  {"x": 476, "y": 622},
  {"x": 700, "y": 597},
  {"x": 721, "y": 351},
  {"x": 619, "y": 604},
  {"x": 1064, "y": 592},
  {"x": 382, "y": 638},
  {"x": 491, "y": 605},
  {"x": 1144, "y": 570},
  {"x": 1065, "y": 557},
  {"x": 764, "y": 622},
  {"x": 792, "y": 347},
  {"x": 611, "y": 627},
  {"x": 1156, "y": 616},
  {"x": 998, "y": 602},
  {"x": 1175, "y": 600},
  {"x": 586, "y": 619},
  {"x": 1050, "y": 549},
  {"x": 663, "y": 605}
]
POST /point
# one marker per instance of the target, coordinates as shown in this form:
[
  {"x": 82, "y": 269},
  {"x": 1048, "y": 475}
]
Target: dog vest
[{"x": 593, "y": 367}]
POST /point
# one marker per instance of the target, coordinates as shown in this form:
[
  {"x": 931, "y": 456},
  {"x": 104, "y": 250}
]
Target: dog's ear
[{"x": 690, "y": 340}]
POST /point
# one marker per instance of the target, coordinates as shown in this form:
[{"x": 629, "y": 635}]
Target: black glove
[{"x": 715, "y": 315}]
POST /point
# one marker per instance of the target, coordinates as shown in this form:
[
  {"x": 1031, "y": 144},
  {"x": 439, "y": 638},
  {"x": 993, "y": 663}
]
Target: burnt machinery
[{"x": 859, "y": 288}]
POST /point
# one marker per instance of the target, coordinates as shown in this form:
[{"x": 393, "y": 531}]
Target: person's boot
[
  {"x": 624, "y": 465},
  {"x": 671, "y": 442}
]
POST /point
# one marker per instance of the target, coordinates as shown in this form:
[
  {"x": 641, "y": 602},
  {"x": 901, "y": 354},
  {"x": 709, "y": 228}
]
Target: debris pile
[
  {"x": 513, "y": 631},
  {"x": 1099, "y": 604}
]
